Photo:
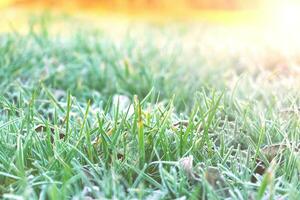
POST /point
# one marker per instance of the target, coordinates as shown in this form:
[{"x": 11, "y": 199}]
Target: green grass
[{"x": 67, "y": 132}]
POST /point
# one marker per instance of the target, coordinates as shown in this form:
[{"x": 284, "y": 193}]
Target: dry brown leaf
[
  {"x": 42, "y": 128},
  {"x": 286, "y": 114},
  {"x": 184, "y": 123},
  {"x": 290, "y": 111},
  {"x": 186, "y": 164},
  {"x": 120, "y": 156},
  {"x": 260, "y": 169},
  {"x": 270, "y": 152},
  {"x": 211, "y": 174},
  {"x": 214, "y": 177}
]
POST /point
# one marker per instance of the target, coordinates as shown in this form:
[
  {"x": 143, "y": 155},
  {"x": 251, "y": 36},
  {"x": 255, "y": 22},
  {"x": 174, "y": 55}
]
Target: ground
[{"x": 147, "y": 111}]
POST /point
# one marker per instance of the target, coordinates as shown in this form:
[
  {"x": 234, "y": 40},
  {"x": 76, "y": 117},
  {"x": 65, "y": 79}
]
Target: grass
[{"x": 90, "y": 117}]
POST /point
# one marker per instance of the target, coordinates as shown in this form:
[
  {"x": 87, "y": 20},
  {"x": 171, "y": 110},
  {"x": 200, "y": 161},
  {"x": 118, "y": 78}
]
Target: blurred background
[
  {"x": 195, "y": 4},
  {"x": 211, "y": 10},
  {"x": 263, "y": 31},
  {"x": 221, "y": 11}
]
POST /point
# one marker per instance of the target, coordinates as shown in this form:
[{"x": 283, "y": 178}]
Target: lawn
[{"x": 177, "y": 111}]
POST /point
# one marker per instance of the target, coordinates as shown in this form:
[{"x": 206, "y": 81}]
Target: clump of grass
[{"x": 62, "y": 136}]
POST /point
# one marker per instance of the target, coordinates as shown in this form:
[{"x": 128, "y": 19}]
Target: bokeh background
[
  {"x": 195, "y": 4},
  {"x": 221, "y": 11},
  {"x": 271, "y": 28}
]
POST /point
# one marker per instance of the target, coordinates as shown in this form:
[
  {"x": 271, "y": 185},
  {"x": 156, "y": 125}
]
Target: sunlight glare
[
  {"x": 282, "y": 24},
  {"x": 289, "y": 17}
]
